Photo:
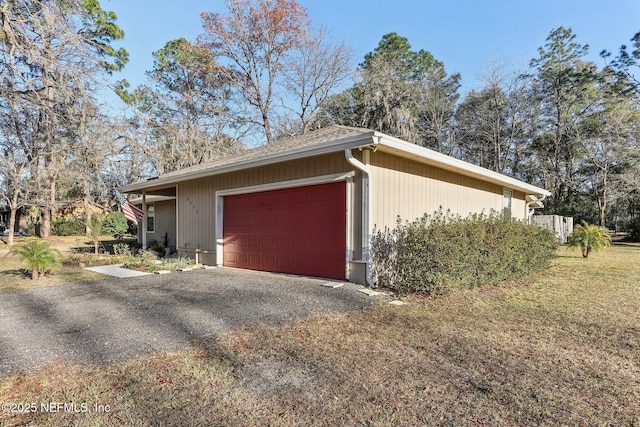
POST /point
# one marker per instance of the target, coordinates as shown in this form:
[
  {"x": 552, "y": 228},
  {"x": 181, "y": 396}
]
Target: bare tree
[
  {"x": 184, "y": 114},
  {"x": 311, "y": 76},
  {"x": 436, "y": 106},
  {"x": 491, "y": 123},
  {"x": 53, "y": 50},
  {"x": 250, "y": 46},
  {"x": 611, "y": 155}
]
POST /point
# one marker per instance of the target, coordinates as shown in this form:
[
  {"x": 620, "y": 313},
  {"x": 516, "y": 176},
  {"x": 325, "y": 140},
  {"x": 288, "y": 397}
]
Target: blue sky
[{"x": 466, "y": 35}]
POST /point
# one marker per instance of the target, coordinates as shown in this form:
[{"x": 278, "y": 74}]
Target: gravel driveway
[{"x": 118, "y": 319}]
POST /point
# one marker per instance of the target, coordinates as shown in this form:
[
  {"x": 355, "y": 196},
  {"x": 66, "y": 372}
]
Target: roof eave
[
  {"x": 449, "y": 163},
  {"x": 392, "y": 144},
  {"x": 331, "y": 147}
]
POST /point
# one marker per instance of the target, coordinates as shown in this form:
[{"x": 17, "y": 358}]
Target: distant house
[
  {"x": 21, "y": 220},
  {"x": 308, "y": 205},
  {"x": 76, "y": 209},
  {"x": 67, "y": 209}
]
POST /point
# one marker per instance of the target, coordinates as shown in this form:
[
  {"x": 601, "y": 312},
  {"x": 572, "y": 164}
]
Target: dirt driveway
[{"x": 118, "y": 319}]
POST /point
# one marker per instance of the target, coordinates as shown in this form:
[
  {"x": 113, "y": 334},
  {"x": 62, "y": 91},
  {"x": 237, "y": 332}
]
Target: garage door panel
[
  {"x": 283, "y": 243},
  {"x": 268, "y": 220},
  {"x": 298, "y": 230},
  {"x": 229, "y": 257},
  {"x": 254, "y": 260},
  {"x": 255, "y": 241},
  {"x": 268, "y": 241},
  {"x": 283, "y": 263}
]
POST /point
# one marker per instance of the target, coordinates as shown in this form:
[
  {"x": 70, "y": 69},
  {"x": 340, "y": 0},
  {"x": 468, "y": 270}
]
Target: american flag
[{"x": 132, "y": 212}]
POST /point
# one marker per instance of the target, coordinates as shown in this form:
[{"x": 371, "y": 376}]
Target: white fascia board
[
  {"x": 300, "y": 153},
  {"x": 151, "y": 199},
  {"x": 443, "y": 161}
]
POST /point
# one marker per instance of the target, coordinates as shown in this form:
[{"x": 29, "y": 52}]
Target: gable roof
[{"x": 323, "y": 141}]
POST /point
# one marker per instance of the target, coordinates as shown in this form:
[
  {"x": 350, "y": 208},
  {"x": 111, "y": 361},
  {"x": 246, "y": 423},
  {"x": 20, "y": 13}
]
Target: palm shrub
[
  {"x": 94, "y": 230},
  {"x": 39, "y": 255},
  {"x": 589, "y": 237}
]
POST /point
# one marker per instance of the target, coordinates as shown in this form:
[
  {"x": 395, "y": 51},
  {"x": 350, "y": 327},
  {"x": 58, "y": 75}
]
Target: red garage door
[{"x": 299, "y": 230}]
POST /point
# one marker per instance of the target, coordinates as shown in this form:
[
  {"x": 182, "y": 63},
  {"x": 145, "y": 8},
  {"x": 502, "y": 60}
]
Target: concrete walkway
[{"x": 116, "y": 270}]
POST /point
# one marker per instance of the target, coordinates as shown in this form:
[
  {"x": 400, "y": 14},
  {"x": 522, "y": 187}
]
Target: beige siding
[
  {"x": 196, "y": 210},
  {"x": 408, "y": 189},
  {"x": 165, "y": 222},
  {"x": 519, "y": 208}
]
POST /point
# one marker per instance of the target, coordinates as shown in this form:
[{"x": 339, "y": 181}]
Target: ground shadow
[{"x": 16, "y": 273}]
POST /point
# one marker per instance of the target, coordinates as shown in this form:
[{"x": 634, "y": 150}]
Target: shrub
[
  {"x": 589, "y": 237},
  {"x": 94, "y": 230},
  {"x": 440, "y": 253},
  {"x": 634, "y": 229},
  {"x": 39, "y": 256},
  {"x": 115, "y": 224},
  {"x": 122, "y": 249},
  {"x": 156, "y": 247},
  {"x": 68, "y": 227},
  {"x": 144, "y": 258}
]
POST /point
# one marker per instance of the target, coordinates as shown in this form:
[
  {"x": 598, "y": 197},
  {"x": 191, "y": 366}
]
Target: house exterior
[
  {"x": 76, "y": 209},
  {"x": 309, "y": 204},
  {"x": 69, "y": 209},
  {"x": 159, "y": 223}
]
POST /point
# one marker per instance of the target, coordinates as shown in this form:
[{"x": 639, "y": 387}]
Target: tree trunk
[
  {"x": 13, "y": 209},
  {"x": 45, "y": 227},
  {"x": 34, "y": 273},
  {"x": 12, "y": 223},
  {"x": 87, "y": 213}
]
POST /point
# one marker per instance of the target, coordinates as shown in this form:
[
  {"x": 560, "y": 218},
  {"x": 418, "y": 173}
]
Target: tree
[
  {"x": 480, "y": 120},
  {"x": 115, "y": 224},
  {"x": 14, "y": 174},
  {"x": 563, "y": 84},
  {"x": 182, "y": 116},
  {"x": 401, "y": 92},
  {"x": 249, "y": 47},
  {"x": 311, "y": 75},
  {"x": 52, "y": 51},
  {"x": 391, "y": 86},
  {"x": 492, "y": 123},
  {"x": 625, "y": 66},
  {"x": 611, "y": 152},
  {"x": 436, "y": 107}
]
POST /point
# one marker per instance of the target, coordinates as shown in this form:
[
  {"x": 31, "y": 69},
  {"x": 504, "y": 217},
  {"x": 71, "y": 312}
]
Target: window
[
  {"x": 151, "y": 218},
  {"x": 507, "y": 195}
]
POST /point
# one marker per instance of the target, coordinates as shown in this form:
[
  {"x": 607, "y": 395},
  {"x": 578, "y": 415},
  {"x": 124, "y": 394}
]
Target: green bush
[
  {"x": 115, "y": 224},
  {"x": 634, "y": 229},
  {"x": 440, "y": 253},
  {"x": 68, "y": 227}
]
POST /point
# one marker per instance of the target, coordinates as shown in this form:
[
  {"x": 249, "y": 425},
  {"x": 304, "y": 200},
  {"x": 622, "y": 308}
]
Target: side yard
[
  {"x": 562, "y": 348},
  {"x": 73, "y": 249}
]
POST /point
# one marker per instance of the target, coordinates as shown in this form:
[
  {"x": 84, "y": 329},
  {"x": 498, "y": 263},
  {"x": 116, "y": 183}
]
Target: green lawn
[{"x": 560, "y": 349}]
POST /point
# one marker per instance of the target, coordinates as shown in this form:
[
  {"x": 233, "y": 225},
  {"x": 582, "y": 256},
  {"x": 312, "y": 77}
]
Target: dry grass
[
  {"x": 562, "y": 349},
  {"x": 13, "y": 275}
]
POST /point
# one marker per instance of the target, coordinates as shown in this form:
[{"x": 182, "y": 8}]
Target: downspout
[
  {"x": 144, "y": 220},
  {"x": 367, "y": 213}
]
